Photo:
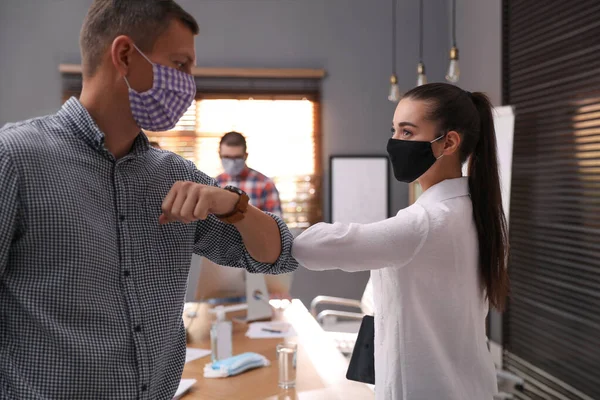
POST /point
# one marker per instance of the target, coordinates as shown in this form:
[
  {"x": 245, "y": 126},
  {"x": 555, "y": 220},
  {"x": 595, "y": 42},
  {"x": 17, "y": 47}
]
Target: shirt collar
[
  {"x": 445, "y": 190},
  {"x": 77, "y": 117}
]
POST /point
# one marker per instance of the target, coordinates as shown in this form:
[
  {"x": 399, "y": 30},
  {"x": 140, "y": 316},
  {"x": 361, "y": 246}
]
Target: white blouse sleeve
[{"x": 359, "y": 247}]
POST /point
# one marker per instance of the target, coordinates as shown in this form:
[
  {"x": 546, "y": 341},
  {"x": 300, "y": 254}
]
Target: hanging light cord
[
  {"x": 421, "y": 31},
  {"x": 453, "y": 23},
  {"x": 393, "y": 36}
]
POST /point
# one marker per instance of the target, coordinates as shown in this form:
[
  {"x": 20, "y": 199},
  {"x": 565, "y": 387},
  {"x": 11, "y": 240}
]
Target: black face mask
[{"x": 411, "y": 159}]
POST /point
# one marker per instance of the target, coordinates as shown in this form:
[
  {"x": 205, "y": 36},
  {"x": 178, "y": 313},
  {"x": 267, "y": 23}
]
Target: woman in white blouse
[{"x": 437, "y": 264}]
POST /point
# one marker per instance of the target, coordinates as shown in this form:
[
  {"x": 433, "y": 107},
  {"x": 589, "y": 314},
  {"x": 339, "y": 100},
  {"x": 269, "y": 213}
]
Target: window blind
[{"x": 551, "y": 74}]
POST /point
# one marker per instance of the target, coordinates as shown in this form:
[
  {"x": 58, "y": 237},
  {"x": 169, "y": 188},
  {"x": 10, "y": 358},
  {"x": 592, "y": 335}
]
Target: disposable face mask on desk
[{"x": 235, "y": 365}]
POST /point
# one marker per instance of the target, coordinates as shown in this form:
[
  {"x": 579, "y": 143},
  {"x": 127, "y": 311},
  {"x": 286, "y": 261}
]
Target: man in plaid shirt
[{"x": 261, "y": 189}]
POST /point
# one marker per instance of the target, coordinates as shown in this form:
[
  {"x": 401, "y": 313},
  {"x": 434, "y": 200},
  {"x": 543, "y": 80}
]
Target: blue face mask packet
[{"x": 235, "y": 365}]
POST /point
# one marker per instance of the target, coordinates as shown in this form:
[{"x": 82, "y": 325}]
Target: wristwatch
[{"x": 239, "y": 211}]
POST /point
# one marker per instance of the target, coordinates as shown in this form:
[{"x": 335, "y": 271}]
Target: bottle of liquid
[{"x": 221, "y": 343}]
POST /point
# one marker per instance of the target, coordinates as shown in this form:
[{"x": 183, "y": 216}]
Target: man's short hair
[
  {"x": 142, "y": 20},
  {"x": 233, "y": 139}
]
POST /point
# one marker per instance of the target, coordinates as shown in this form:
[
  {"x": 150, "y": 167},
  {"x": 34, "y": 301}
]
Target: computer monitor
[{"x": 209, "y": 281}]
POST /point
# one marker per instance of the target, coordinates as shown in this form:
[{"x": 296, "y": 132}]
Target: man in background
[
  {"x": 263, "y": 195},
  {"x": 261, "y": 189}
]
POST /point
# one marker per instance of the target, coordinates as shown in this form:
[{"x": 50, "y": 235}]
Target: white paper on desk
[
  {"x": 192, "y": 354},
  {"x": 270, "y": 330},
  {"x": 184, "y": 386}
]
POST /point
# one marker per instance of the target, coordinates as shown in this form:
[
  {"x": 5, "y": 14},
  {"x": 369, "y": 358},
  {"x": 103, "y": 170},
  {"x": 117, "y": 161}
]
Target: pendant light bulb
[
  {"x": 394, "y": 94},
  {"x": 453, "y": 70},
  {"x": 421, "y": 77}
]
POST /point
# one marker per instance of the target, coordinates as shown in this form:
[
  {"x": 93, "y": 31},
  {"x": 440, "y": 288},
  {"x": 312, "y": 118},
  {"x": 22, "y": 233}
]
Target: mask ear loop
[
  {"x": 145, "y": 57},
  {"x": 127, "y": 82},
  {"x": 435, "y": 140},
  {"x": 142, "y": 54}
]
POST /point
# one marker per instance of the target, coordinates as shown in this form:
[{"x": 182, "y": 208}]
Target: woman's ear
[{"x": 452, "y": 143}]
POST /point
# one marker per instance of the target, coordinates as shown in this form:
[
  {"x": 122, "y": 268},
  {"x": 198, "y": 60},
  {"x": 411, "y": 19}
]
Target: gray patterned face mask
[{"x": 233, "y": 166}]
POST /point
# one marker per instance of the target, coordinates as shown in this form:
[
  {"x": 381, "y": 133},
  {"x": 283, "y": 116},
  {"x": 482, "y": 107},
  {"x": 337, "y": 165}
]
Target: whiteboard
[
  {"x": 359, "y": 189},
  {"x": 504, "y": 123}
]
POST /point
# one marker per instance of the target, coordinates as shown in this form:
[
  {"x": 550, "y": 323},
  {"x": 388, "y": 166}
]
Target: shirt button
[
  {"x": 138, "y": 328},
  {"x": 126, "y": 273},
  {"x": 122, "y": 218},
  {"x": 144, "y": 388}
]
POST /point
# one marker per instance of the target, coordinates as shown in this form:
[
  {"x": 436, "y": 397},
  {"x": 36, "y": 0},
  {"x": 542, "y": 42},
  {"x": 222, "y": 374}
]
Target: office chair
[{"x": 343, "y": 325}]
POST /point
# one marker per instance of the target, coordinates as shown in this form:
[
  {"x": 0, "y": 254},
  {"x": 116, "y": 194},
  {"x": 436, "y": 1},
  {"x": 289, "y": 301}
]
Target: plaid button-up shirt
[
  {"x": 260, "y": 189},
  {"x": 91, "y": 286}
]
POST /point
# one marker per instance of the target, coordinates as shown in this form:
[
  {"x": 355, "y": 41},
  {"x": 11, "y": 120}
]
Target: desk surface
[{"x": 321, "y": 368}]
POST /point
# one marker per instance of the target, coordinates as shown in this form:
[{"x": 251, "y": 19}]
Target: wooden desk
[{"x": 321, "y": 368}]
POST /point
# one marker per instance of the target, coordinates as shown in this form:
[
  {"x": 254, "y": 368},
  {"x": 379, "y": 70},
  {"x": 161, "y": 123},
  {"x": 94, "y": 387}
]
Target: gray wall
[
  {"x": 351, "y": 39},
  {"x": 479, "y": 37}
]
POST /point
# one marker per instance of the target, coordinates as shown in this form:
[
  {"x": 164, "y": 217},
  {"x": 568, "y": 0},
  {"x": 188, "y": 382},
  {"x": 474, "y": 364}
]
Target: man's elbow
[
  {"x": 281, "y": 265},
  {"x": 269, "y": 257}
]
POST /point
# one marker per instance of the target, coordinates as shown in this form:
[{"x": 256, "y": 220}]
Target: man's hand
[{"x": 188, "y": 202}]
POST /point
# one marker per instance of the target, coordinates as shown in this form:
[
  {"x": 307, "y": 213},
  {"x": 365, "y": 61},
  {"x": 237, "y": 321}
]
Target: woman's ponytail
[
  {"x": 486, "y": 196},
  {"x": 470, "y": 114}
]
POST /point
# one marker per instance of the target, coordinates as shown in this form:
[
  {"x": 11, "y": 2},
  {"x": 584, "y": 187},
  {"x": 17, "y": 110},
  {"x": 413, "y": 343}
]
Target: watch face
[{"x": 234, "y": 190}]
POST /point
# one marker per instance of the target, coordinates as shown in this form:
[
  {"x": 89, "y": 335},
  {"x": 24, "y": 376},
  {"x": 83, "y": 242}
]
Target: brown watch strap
[{"x": 238, "y": 213}]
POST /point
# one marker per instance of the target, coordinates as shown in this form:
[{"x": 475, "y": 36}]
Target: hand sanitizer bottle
[{"x": 221, "y": 343}]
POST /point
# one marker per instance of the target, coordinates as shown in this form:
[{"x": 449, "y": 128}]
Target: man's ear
[
  {"x": 121, "y": 51},
  {"x": 246, "y": 156}
]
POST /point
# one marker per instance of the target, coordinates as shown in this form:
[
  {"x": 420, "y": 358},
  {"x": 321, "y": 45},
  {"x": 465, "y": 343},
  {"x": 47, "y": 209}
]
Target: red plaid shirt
[{"x": 260, "y": 189}]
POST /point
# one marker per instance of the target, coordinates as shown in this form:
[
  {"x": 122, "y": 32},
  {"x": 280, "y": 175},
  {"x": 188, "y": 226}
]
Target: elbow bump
[{"x": 299, "y": 250}]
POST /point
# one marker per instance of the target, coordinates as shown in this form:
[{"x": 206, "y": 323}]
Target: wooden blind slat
[{"x": 550, "y": 75}]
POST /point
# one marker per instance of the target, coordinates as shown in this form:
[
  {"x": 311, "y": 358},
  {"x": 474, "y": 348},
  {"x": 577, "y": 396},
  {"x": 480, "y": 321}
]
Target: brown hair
[
  {"x": 142, "y": 20},
  {"x": 470, "y": 114},
  {"x": 233, "y": 139}
]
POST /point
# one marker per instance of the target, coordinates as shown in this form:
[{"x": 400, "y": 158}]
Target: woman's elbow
[
  {"x": 301, "y": 251},
  {"x": 307, "y": 253}
]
